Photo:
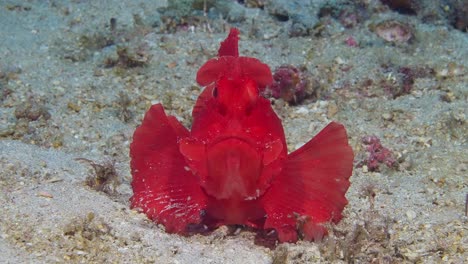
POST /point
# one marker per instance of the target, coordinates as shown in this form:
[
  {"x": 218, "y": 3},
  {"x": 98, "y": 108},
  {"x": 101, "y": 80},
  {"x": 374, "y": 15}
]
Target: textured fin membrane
[
  {"x": 164, "y": 188},
  {"x": 311, "y": 186}
]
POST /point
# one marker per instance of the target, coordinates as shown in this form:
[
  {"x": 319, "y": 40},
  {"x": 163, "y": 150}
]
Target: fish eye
[{"x": 215, "y": 92}]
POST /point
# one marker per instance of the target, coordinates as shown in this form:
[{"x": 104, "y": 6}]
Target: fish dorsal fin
[
  {"x": 229, "y": 47},
  {"x": 230, "y": 66}
]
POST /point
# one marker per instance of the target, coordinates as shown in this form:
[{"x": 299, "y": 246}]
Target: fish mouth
[
  {"x": 246, "y": 140},
  {"x": 233, "y": 168}
]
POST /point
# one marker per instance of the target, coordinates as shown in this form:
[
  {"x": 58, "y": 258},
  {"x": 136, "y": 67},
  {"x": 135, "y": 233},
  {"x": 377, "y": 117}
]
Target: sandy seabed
[{"x": 72, "y": 88}]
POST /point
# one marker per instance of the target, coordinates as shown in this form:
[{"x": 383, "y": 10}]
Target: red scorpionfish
[{"x": 232, "y": 167}]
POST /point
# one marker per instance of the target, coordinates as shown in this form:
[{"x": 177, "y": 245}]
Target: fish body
[{"x": 232, "y": 167}]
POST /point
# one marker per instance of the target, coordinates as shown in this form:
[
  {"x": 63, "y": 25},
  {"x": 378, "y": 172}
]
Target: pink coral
[
  {"x": 377, "y": 154},
  {"x": 290, "y": 84},
  {"x": 351, "y": 42}
]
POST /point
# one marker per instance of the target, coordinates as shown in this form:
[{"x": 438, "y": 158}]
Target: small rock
[
  {"x": 302, "y": 14},
  {"x": 31, "y": 110},
  {"x": 387, "y": 116},
  {"x": 393, "y": 31},
  {"x": 74, "y": 107},
  {"x": 302, "y": 111},
  {"x": 410, "y": 214},
  {"x": 461, "y": 167},
  {"x": 231, "y": 10},
  {"x": 332, "y": 109},
  {"x": 365, "y": 169}
]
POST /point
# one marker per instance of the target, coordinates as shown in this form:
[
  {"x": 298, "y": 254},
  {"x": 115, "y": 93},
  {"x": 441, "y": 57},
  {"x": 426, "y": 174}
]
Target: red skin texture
[{"x": 232, "y": 167}]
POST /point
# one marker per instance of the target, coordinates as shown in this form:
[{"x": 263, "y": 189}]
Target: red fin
[
  {"x": 229, "y": 47},
  {"x": 164, "y": 189},
  {"x": 178, "y": 128},
  {"x": 312, "y": 184}
]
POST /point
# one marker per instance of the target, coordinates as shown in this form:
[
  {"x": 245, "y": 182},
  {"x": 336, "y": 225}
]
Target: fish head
[{"x": 236, "y": 140}]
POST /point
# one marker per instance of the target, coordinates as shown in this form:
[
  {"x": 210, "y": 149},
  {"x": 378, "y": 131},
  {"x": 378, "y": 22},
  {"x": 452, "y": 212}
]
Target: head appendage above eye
[{"x": 235, "y": 68}]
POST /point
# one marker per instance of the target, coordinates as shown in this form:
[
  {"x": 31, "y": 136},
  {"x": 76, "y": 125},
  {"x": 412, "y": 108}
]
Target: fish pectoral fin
[
  {"x": 311, "y": 186},
  {"x": 163, "y": 188}
]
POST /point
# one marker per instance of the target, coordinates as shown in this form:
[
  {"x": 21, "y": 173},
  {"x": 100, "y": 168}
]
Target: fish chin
[{"x": 233, "y": 169}]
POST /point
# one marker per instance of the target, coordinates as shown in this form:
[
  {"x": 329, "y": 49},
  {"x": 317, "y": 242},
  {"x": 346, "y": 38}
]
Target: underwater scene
[{"x": 224, "y": 131}]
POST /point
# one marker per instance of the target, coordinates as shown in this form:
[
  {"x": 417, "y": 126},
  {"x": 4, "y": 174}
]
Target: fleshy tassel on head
[{"x": 229, "y": 47}]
